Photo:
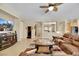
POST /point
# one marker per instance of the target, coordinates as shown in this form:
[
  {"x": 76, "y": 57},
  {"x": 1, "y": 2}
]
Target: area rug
[{"x": 56, "y": 51}]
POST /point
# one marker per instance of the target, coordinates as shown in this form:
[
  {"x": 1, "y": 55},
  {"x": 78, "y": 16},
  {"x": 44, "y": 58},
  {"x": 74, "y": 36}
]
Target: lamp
[{"x": 50, "y": 8}]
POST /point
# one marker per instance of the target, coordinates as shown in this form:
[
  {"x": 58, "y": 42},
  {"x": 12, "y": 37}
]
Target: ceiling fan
[{"x": 51, "y": 7}]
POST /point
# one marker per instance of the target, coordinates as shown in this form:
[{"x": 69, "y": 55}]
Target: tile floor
[
  {"x": 17, "y": 48},
  {"x": 20, "y": 46}
]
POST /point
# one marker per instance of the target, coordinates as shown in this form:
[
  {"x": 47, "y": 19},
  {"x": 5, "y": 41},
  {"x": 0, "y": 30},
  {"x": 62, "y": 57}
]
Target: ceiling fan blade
[
  {"x": 46, "y": 11},
  {"x": 43, "y": 6},
  {"x": 57, "y": 4},
  {"x": 51, "y": 4},
  {"x": 55, "y": 8}
]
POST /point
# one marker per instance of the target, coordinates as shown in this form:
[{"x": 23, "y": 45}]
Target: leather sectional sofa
[{"x": 69, "y": 44}]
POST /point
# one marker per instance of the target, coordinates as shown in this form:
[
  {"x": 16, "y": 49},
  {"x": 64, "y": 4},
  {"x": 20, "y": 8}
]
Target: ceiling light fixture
[{"x": 50, "y": 8}]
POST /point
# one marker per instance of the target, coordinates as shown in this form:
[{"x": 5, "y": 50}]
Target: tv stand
[{"x": 7, "y": 40}]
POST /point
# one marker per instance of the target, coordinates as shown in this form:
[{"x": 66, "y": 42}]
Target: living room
[{"x": 29, "y": 25}]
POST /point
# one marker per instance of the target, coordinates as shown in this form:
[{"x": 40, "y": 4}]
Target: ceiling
[{"x": 32, "y": 12}]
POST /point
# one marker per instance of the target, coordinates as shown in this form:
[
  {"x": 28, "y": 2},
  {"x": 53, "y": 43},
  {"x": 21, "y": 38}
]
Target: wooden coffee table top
[{"x": 43, "y": 42}]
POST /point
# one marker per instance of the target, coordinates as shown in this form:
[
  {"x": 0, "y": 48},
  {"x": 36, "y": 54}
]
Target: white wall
[
  {"x": 18, "y": 24},
  {"x": 32, "y": 24},
  {"x": 60, "y": 27}
]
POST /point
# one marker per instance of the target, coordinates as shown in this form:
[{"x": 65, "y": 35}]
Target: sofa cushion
[
  {"x": 76, "y": 37},
  {"x": 69, "y": 48},
  {"x": 76, "y": 43},
  {"x": 68, "y": 40},
  {"x": 67, "y": 35}
]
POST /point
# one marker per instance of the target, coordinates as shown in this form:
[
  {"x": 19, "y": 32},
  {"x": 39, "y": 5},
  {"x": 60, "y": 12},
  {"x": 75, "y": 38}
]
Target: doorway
[{"x": 29, "y": 32}]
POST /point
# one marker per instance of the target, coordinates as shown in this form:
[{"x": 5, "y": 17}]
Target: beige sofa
[
  {"x": 69, "y": 48},
  {"x": 69, "y": 44}
]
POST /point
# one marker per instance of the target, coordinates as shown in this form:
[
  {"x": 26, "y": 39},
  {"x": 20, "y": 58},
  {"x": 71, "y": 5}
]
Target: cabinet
[{"x": 7, "y": 40}]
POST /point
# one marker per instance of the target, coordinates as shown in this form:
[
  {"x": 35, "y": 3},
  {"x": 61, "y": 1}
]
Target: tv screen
[{"x": 6, "y": 25}]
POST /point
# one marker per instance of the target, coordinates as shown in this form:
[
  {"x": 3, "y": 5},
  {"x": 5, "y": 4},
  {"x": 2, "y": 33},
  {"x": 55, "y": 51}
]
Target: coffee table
[{"x": 44, "y": 46}]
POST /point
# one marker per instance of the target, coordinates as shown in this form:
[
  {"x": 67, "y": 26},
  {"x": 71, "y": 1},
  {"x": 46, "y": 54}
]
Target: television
[{"x": 6, "y": 25}]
